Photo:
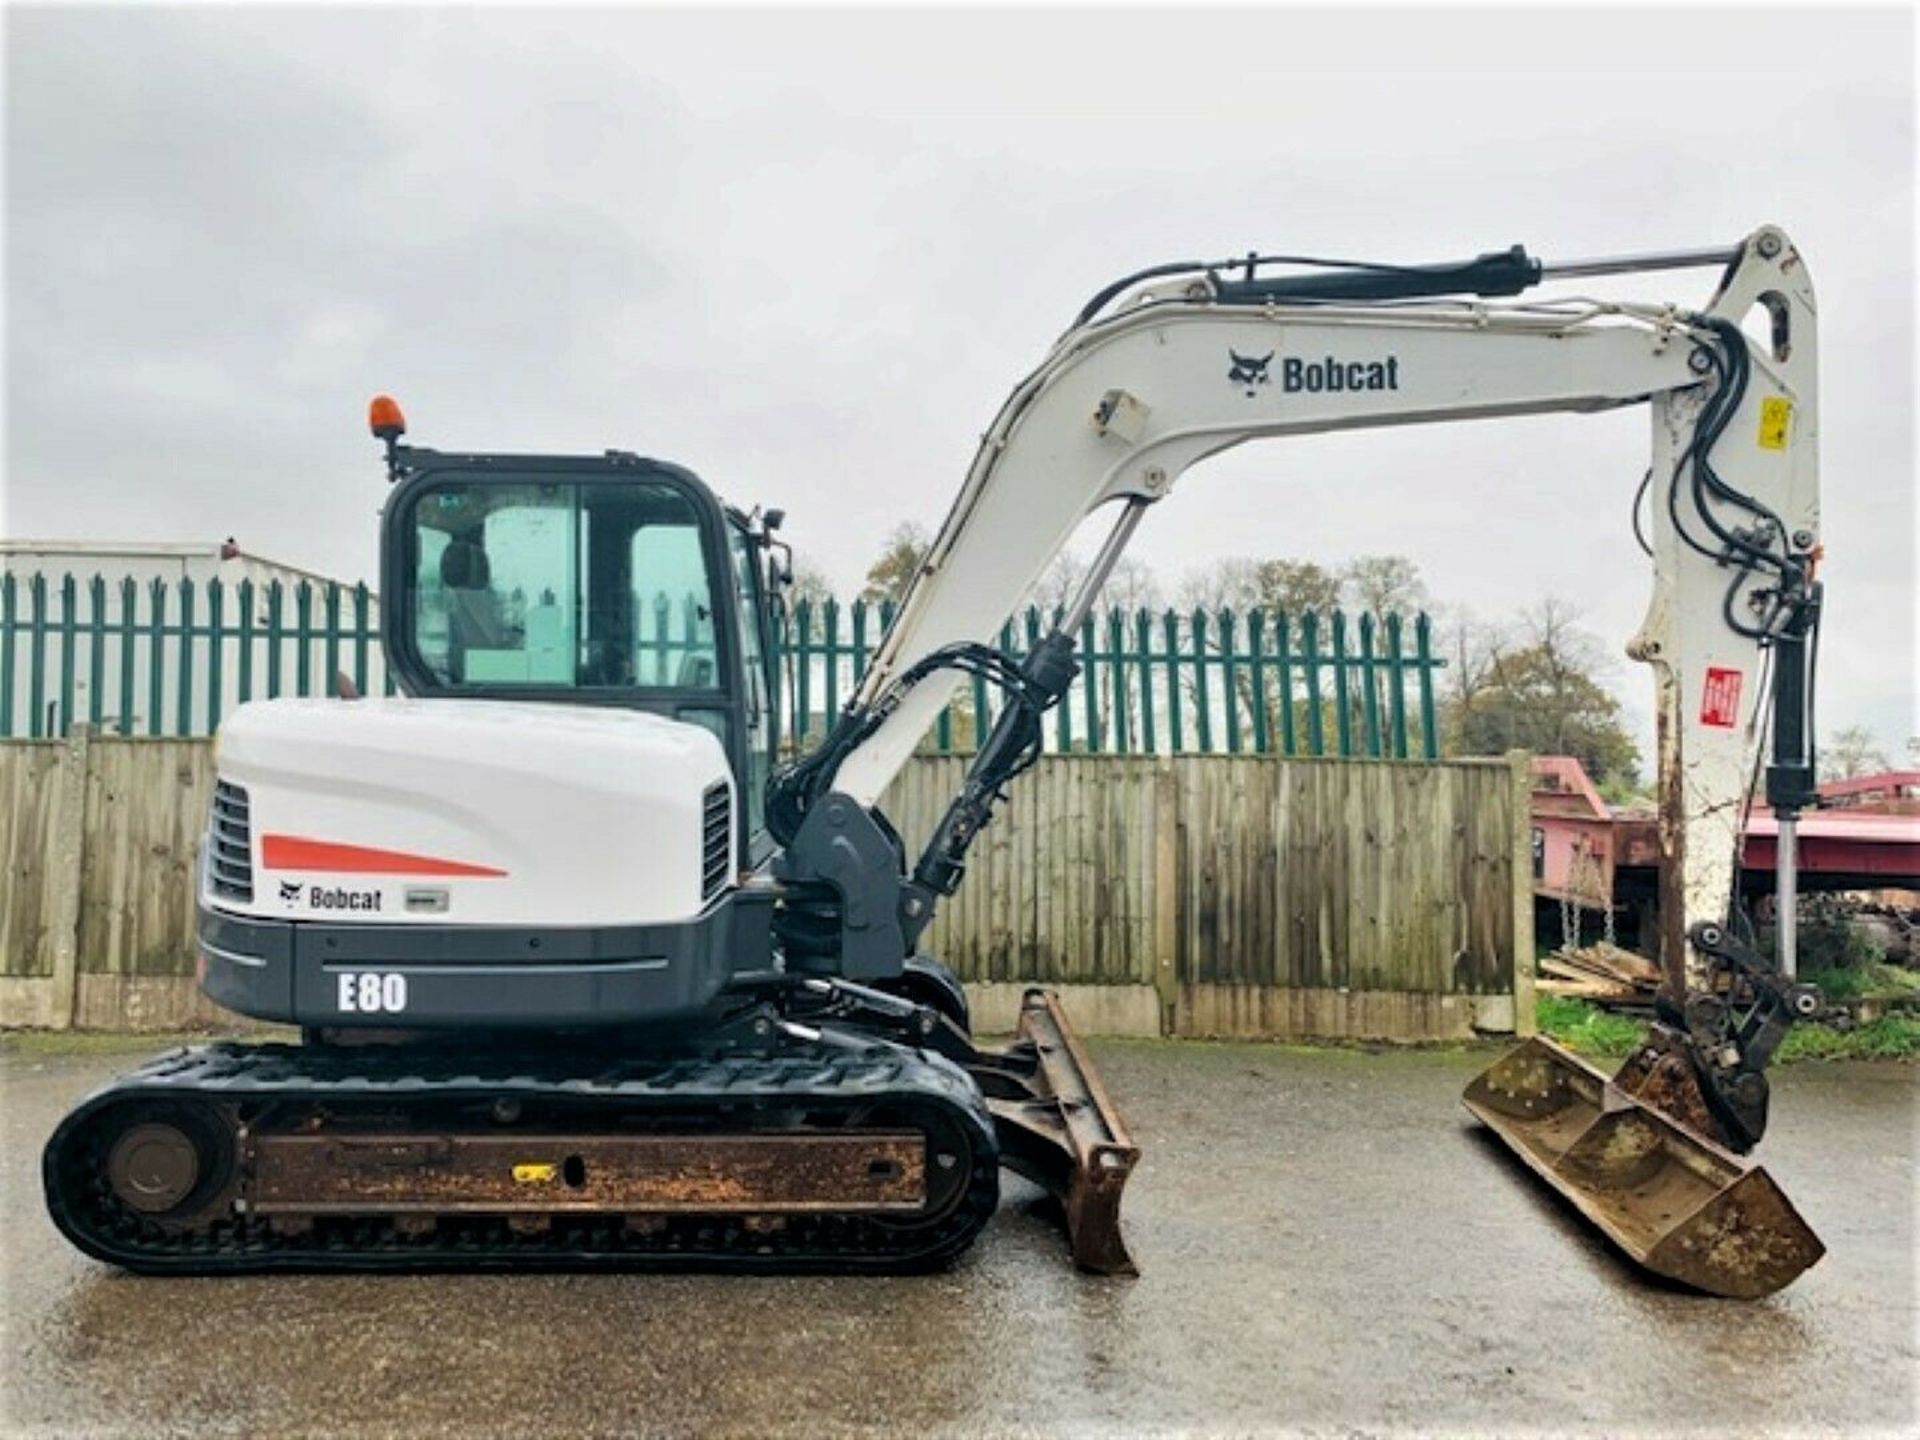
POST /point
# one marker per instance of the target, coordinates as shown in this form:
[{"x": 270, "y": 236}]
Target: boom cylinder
[{"x": 1048, "y": 671}]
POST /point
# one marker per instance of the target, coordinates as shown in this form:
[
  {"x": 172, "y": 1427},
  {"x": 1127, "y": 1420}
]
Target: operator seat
[{"x": 473, "y": 610}]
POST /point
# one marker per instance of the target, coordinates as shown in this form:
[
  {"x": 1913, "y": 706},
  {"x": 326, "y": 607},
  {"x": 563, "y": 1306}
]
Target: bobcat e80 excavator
[{"x": 586, "y": 978}]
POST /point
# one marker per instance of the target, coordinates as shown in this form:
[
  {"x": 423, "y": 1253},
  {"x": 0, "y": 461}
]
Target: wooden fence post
[
  {"x": 1166, "y": 892},
  {"x": 69, "y": 860},
  {"x": 1522, "y": 766}
]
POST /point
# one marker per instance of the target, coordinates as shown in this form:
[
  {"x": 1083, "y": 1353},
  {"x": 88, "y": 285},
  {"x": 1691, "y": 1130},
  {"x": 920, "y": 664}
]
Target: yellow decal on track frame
[
  {"x": 534, "y": 1174},
  {"x": 1776, "y": 413}
]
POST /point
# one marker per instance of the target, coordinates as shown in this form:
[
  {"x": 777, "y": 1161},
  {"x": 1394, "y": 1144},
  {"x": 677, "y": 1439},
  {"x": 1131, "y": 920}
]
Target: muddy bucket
[{"x": 1681, "y": 1206}]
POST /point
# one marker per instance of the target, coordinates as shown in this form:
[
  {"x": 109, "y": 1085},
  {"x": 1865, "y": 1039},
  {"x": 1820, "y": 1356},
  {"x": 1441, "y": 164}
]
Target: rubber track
[{"x": 295, "y": 1079}]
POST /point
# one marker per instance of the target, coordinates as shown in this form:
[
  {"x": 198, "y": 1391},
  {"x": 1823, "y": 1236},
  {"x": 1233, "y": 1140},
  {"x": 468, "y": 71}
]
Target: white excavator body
[{"x": 413, "y": 812}]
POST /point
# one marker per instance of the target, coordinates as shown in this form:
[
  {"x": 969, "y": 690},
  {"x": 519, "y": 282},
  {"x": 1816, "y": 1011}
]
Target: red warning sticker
[{"x": 1720, "y": 701}]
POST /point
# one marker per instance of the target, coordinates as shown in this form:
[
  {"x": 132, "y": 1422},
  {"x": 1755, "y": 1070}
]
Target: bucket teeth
[{"x": 1676, "y": 1202}]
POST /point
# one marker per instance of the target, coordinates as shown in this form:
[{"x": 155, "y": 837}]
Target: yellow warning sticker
[
  {"x": 534, "y": 1174},
  {"x": 1776, "y": 413}
]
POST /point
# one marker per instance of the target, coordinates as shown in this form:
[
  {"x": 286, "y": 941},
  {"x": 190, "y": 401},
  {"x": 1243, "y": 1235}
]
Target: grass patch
[
  {"x": 1588, "y": 1030},
  {"x": 1853, "y": 982},
  {"x": 28, "y": 1043},
  {"x": 1891, "y": 1037}
]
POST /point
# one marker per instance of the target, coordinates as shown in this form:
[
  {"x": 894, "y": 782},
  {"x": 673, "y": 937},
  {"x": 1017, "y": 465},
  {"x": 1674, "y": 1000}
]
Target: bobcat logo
[
  {"x": 1249, "y": 370},
  {"x": 289, "y": 891}
]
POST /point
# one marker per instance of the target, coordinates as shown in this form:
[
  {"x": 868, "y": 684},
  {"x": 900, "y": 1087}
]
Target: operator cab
[{"x": 610, "y": 581}]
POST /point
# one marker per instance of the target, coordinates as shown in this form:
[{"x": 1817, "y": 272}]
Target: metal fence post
[
  {"x": 1342, "y": 712},
  {"x": 1397, "y": 697},
  {"x": 1423, "y": 652},
  {"x": 184, "y": 721},
  {"x": 68, "y": 624},
  {"x": 1370, "y": 674},
  {"x": 129, "y": 602},
  {"x": 1143, "y": 637},
  {"x": 7, "y": 607},
  {"x": 1283, "y": 654},
  {"x": 37, "y": 657},
  {"x": 1310, "y": 660},
  {"x": 96, "y": 650},
  {"x": 156, "y": 655}
]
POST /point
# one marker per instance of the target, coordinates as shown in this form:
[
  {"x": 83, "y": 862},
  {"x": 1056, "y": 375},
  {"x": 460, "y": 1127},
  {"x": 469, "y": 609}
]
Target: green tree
[
  {"x": 1242, "y": 584},
  {"x": 1543, "y": 695},
  {"x": 888, "y": 576},
  {"x": 1296, "y": 586}
]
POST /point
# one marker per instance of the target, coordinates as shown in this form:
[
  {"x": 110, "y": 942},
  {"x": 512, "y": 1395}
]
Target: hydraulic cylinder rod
[
  {"x": 1635, "y": 264},
  {"x": 1790, "y": 776},
  {"x": 1786, "y": 895}
]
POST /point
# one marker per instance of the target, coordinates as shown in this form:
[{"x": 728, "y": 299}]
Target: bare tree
[
  {"x": 1132, "y": 586},
  {"x": 1233, "y": 581},
  {"x": 1245, "y": 585},
  {"x": 1241, "y": 584},
  {"x": 1057, "y": 586},
  {"x": 1538, "y": 691},
  {"x": 810, "y": 586},
  {"x": 1851, "y": 753},
  {"x": 1384, "y": 583},
  {"x": 1472, "y": 647}
]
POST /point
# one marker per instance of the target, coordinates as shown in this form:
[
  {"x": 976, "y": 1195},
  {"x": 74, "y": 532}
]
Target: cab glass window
[
  {"x": 561, "y": 584},
  {"x": 753, "y": 655}
]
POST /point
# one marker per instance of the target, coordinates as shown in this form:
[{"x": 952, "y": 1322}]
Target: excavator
[{"x": 588, "y": 974}]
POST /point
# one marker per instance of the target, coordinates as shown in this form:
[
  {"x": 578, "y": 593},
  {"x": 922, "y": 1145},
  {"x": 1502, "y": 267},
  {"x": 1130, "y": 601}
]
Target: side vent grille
[
  {"x": 230, "y": 844},
  {"x": 716, "y": 839}
]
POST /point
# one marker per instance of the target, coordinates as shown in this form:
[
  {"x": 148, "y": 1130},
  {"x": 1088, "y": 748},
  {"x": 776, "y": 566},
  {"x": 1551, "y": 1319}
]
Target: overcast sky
[{"x": 807, "y": 254}]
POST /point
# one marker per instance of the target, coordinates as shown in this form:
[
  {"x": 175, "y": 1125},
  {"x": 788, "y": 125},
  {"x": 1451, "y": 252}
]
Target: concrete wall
[{"x": 1187, "y": 895}]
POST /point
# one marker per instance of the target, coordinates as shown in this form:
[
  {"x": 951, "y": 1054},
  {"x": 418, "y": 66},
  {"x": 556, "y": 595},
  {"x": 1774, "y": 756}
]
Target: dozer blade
[
  {"x": 1679, "y": 1204},
  {"x": 1058, "y": 1128}
]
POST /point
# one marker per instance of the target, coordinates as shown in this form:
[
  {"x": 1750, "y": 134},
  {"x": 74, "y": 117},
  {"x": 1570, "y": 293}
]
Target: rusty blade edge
[
  {"x": 1082, "y": 1068},
  {"x": 1101, "y": 1167}
]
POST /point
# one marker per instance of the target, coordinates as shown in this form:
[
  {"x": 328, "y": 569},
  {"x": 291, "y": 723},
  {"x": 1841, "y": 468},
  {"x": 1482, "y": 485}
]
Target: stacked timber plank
[{"x": 1602, "y": 973}]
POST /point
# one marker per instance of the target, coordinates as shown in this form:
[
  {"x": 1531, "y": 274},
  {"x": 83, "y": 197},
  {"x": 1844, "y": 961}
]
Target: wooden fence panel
[
  {"x": 1379, "y": 897},
  {"x": 30, "y": 796},
  {"x": 1317, "y": 874},
  {"x": 1243, "y": 895},
  {"x": 146, "y": 809}
]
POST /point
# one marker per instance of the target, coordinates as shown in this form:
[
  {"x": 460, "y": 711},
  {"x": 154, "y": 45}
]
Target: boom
[{"x": 1142, "y": 390}]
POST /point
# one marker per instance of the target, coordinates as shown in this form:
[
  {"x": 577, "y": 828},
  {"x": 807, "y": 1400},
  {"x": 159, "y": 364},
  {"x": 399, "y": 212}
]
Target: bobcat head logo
[
  {"x": 1249, "y": 370},
  {"x": 289, "y": 891}
]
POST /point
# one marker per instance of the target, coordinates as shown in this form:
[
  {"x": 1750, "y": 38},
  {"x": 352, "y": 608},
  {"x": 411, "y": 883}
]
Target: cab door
[{"x": 759, "y": 726}]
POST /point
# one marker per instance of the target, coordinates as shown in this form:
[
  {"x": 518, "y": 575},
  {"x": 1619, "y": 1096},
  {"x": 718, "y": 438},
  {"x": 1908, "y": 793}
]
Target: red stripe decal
[{"x": 290, "y": 852}]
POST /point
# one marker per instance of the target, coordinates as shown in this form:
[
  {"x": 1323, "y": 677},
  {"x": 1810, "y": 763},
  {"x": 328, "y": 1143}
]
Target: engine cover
[{"x": 466, "y": 812}]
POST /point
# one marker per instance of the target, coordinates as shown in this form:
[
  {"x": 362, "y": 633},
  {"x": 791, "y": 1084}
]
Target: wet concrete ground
[{"x": 1327, "y": 1245}]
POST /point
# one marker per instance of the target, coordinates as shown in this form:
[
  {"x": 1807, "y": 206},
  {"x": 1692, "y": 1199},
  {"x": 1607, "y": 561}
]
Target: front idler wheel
[{"x": 168, "y": 1163}]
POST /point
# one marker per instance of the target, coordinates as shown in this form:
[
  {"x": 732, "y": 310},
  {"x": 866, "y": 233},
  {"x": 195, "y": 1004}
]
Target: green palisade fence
[
  {"x": 1265, "y": 683},
  {"x": 173, "y": 657}
]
